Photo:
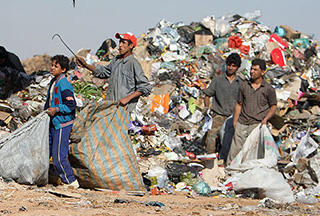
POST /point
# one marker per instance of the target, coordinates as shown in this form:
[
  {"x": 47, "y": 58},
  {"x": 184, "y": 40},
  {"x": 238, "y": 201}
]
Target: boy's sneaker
[{"x": 74, "y": 184}]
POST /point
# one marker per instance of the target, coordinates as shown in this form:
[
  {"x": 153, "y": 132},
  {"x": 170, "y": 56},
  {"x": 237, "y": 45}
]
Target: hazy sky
[{"x": 28, "y": 25}]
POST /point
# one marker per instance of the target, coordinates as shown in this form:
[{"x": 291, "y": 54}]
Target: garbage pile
[
  {"x": 182, "y": 59},
  {"x": 167, "y": 127},
  {"x": 37, "y": 63}
]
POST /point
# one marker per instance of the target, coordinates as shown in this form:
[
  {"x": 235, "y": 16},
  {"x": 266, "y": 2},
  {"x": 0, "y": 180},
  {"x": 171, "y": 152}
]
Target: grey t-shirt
[
  {"x": 125, "y": 77},
  {"x": 224, "y": 94}
]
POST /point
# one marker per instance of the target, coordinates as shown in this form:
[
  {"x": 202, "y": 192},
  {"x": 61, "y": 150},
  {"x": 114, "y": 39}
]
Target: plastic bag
[
  {"x": 253, "y": 16},
  {"x": 280, "y": 31},
  {"x": 206, "y": 49},
  {"x": 304, "y": 197},
  {"x": 235, "y": 42},
  {"x": 210, "y": 23},
  {"x": 176, "y": 170},
  {"x": 190, "y": 178},
  {"x": 186, "y": 33},
  {"x": 278, "y": 57},
  {"x": 202, "y": 188},
  {"x": 160, "y": 103},
  {"x": 207, "y": 122},
  {"x": 302, "y": 43},
  {"x": 194, "y": 146},
  {"x": 25, "y": 152},
  {"x": 247, "y": 158},
  {"x": 222, "y": 27},
  {"x": 269, "y": 183},
  {"x": 161, "y": 174},
  {"x": 13, "y": 81},
  {"x": 172, "y": 141},
  {"x": 306, "y": 146}
]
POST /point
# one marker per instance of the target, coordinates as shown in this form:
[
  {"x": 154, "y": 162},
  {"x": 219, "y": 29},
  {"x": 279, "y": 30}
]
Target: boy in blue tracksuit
[{"x": 61, "y": 106}]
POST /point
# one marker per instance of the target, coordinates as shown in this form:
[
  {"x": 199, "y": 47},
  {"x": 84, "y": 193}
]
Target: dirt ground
[{"x": 50, "y": 200}]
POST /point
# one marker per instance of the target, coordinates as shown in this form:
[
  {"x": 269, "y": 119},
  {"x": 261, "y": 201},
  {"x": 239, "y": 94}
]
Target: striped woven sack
[{"x": 102, "y": 156}]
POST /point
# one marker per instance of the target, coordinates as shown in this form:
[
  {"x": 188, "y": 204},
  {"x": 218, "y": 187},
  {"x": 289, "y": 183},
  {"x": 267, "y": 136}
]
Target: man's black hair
[
  {"x": 234, "y": 58},
  {"x": 62, "y": 60},
  {"x": 260, "y": 62},
  {"x": 3, "y": 53}
]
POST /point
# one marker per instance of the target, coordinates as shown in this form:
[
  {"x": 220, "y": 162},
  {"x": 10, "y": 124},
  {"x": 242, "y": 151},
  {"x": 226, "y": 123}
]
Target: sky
[{"x": 28, "y": 25}]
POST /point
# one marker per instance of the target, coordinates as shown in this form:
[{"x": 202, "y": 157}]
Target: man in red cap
[{"x": 127, "y": 81}]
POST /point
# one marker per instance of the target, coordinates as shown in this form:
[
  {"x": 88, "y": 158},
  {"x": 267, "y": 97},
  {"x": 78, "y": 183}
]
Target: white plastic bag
[
  {"x": 207, "y": 122},
  {"x": 222, "y": 27},
  {"x": 25, "y": 152},
  {"x": 209, "y": 22},
  {"x": 253, "y": 16},
  {"x": 160, "y": 173},
  {"x": 306, "y": 146},
  {"x": 269, "y": 183},
  {"x": 247, "y": 158}
]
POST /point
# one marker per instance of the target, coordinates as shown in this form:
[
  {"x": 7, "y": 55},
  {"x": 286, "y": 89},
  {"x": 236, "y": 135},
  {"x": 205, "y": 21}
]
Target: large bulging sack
[
  {"x": 102, "y": 156},
  {"x": 25, "y": 152},
  {"x": 260, "y": 141}
]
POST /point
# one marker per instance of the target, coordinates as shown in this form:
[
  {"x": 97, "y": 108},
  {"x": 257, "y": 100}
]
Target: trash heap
[
  {"x": 182, "y": 59},
  {"x": 167, "y": 127}
]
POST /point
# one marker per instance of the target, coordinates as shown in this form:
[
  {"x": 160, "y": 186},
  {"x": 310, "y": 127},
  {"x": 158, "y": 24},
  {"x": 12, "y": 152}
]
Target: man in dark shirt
[
  {"x": 223, "y": 90},
  {"x": 257, "y": 103},
  {"x": 11, "y": 60}
]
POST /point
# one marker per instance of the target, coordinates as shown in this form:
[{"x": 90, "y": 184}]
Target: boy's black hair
[
  {"x": 260, "y": 62},
  {"x": 62, "y": 60},
  {"x": 3, "y": 53},
  {"x": 234, "y": 58}
]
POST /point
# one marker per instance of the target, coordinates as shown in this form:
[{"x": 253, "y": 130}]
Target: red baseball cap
[{"x": 128, "y": 36}]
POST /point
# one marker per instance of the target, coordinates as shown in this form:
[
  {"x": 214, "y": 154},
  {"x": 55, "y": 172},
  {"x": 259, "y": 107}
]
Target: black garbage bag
[
  {"x": 236, "y": 17},
  {"x": 194, "y": 146},
  {"x": 311, "y": 51},
  {"x": 200, "y": 29},
  {"x": 12, "y": 81},
  {"x": 277, "y": 73},
  {"x": 103, "y": 51},
  {"x": 179, "y": 150},
  {"x": 186, "y": 34},
  {"x": 21, "y": 80},
  {"x": 304, "y": 85},
  {"x": 174, "y": 171},
  {"x": 153, "y": 50},
  {"x": 174, "y": 76},
  {"x": 149, "y": 152}
]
